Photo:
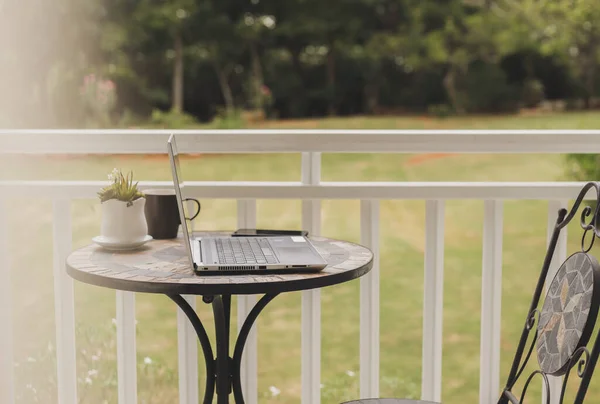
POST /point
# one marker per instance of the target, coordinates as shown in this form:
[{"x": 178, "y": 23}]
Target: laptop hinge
[
  {"x": 196, "y": 252},
  {"x": 200, "y": 257}
]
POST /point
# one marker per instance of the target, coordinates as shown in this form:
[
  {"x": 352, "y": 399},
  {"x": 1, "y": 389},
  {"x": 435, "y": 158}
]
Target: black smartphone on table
[{"x": 268, "y": 232}]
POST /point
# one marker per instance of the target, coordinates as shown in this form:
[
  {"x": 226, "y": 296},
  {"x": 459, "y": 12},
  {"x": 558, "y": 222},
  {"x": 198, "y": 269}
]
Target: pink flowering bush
[
  {"x": 100, "y": 98},
  {"x": 267, "y": 96}
]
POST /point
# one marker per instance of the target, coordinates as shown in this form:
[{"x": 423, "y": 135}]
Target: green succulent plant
[{"x": 122, "y": 188}]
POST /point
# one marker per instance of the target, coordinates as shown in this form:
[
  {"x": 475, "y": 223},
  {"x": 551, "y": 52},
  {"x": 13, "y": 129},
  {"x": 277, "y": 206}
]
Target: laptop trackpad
[{"x": 299, "y": 255}]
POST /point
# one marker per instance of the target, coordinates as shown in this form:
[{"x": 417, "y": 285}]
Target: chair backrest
[{"x": 561, "y": 328}]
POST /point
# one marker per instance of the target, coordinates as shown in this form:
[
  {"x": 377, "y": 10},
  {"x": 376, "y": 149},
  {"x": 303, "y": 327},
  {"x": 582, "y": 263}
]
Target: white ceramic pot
[{"x": 123, "y": 224}]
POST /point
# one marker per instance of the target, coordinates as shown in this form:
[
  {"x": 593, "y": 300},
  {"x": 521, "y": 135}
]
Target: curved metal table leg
[
  {"x": 204, "y": 342},
  {"x": 222, "y": 314},
  {"x": 223, "y": 373},
  {"x": 241, "y": 342}
]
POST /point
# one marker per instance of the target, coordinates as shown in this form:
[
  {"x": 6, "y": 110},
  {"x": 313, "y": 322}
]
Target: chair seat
[{"x": 388, "y": 401}]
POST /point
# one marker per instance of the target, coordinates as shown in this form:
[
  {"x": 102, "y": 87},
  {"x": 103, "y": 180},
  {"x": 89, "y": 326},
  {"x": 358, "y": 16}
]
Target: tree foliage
[{"x": 296, "y": 57}]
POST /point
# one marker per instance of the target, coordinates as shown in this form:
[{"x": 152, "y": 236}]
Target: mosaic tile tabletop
[
  {"x": 161, "y": 266},
  {"x": 566, "y": 319}
]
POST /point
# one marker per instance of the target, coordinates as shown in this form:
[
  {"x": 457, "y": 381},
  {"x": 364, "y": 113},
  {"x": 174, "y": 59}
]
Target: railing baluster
[
  {"x": 311, "y": 299},
  {"x": 369, "y": 303},
  {"x": 247, "y": 219},
  {"x": 6, "y": 336},
  {"x": 188, "y": 356},
  {"x": 126, "y": 350},
  {"x": 64, "y": 304},
  {"x": 433, "y": 302},
  {"x": 187, "y": 343},
  {"x": 560, "y": 255},
  {"x": 491, "y": 303}
]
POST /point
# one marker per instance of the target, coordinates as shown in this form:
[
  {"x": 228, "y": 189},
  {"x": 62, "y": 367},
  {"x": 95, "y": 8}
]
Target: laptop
[{"x": 236, "y": 255}]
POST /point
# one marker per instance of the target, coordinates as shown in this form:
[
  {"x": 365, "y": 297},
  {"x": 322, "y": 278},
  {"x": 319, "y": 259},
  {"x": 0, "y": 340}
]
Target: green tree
[
  {"x": 384, "y": 32},
  {"x": 318, "y": 33},
  {"x": 455, "y": 34},
  {"x": 572, "y": 31},
  {"x": 254, "y": 28},
  {"x": 216, "y": 40},
  {"x": 567, "y": 29},
  {"x": 168, "y": 20}
]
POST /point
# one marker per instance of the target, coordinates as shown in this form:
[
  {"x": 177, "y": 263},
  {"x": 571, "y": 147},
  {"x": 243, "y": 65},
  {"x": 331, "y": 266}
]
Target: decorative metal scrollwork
[
  {"x": 582, "y": 364},
  {"x": 529, "y": 325},
  {"x": 546, "y": 385},
  {"x": 587, "y": 220},
  {"x": 570, "y": 309},
  {"x": 531, "y": 319}
]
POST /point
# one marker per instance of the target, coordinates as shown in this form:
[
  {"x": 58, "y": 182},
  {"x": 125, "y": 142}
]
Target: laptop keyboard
[{"x": 245, "y": 250}]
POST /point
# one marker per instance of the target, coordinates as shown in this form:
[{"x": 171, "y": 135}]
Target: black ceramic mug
[{"x": 162, "y": 213}]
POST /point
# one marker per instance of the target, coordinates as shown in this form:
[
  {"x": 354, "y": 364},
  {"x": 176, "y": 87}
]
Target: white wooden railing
[{"x": 311, "y": 191}]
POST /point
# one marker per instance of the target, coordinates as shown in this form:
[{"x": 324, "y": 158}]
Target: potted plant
[{"x": 123, "y": 219}]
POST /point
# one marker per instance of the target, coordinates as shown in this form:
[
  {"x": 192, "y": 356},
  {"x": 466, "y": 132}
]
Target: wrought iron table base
[{"x": 223, "y": 371}]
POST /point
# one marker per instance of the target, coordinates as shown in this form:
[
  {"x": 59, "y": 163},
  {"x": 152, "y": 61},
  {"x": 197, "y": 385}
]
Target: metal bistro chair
[{"x": 565, "y": 321}]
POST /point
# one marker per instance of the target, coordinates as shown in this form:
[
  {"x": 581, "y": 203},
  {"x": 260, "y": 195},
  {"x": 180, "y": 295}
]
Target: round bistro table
[{"x": 161, "y": 266}]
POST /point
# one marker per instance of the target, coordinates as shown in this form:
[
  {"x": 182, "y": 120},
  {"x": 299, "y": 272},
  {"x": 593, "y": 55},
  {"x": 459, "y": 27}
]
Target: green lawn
[{"x": 402, "y": 247}]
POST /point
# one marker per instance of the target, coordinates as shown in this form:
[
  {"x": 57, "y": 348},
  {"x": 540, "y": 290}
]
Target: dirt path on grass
[{"x": 422, "y": 158}]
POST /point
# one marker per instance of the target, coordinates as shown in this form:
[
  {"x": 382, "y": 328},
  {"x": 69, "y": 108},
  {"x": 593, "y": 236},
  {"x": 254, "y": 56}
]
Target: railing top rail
[
  {"x": 141, "y": 141},
  {"x": 325, "y": 190}
]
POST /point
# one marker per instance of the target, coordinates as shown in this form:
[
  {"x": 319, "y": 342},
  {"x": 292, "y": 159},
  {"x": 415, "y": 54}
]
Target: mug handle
[{"x": 199, "y": 207}]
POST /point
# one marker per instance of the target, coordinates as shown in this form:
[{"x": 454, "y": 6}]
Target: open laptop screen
[{"x": 179, "y": 185}]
